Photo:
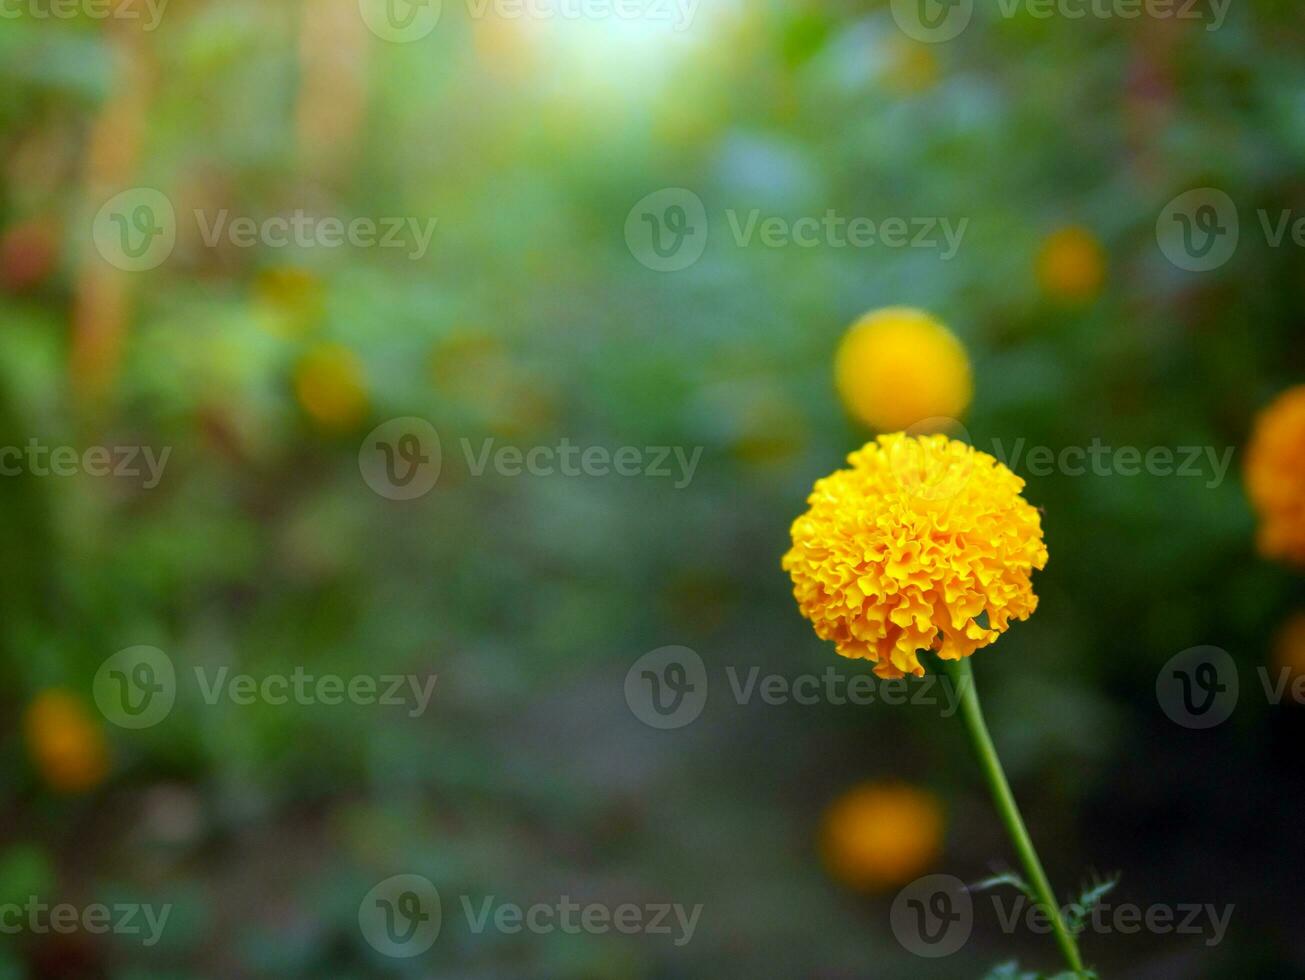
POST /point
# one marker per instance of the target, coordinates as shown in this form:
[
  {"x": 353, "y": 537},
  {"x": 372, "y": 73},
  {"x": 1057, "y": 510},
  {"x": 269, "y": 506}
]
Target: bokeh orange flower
[
  {"x": 1275, "y": 476},
  {"x": 65, "y": 742},
  {"x": 881, "y": 835},
  {"x": 923, "y": 544},
  {"x": 898, "y": 366},
  {"x": 331, "y": 387},
  {"x": 1071, "y": 264}
]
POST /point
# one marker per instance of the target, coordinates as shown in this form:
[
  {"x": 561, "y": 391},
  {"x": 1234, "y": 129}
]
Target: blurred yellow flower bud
[
  {"x": 880, "y": 835},
  {"x": 65, "y": 742},
  {"x": 1071, "y": 264},
  {"x": 898, "y": 366},
  {"x": 1275, "y": 476},
  {"x": 331, "y": 387}
]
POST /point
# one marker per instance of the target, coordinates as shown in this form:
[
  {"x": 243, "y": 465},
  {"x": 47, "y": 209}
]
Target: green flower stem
[{"x": 963, "y": 676}]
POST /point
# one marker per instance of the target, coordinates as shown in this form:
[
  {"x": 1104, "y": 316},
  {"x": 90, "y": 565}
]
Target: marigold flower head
[
  {"x": 65, "y": 742},
  {"x": 1275, "y": 476},
  {"x": 880, "y": 835},
  {"x": 1071, "y": 264},
  {"x": 923, "y": 544},
  {"x": 899, "y": 366},
  {"x": 330, "y": 386}
]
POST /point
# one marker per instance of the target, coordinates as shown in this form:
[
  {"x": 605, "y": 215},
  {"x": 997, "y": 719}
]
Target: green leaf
[
  {"x": 1006, "y": 878},
  {"x": 1078, "y": 910}
]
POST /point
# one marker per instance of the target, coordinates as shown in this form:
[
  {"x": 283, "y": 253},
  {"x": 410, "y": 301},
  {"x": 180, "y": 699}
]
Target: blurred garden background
[{"x": 518, "y": 306}]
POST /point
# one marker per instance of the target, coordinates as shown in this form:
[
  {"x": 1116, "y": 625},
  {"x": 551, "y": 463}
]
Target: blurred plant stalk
[{"x": 101, "y": 298}]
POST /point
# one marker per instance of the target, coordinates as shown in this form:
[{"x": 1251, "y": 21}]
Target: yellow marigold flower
[
  {"x": 1289, "y": 647},
  {"x": 898, "y": 366},
  {"x": 1275, "y": 476},
  {"x": 66, "y": 744},
  {"x": 911, "y": 548},
  {"x": 330, "y": 386},
  {"x": 1071, "y": 264},
  {"x": 877, "y": 836}
]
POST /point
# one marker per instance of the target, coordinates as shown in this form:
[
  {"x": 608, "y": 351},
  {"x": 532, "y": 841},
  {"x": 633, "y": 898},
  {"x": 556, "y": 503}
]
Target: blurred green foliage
[{"x": 530, "y": 321}]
